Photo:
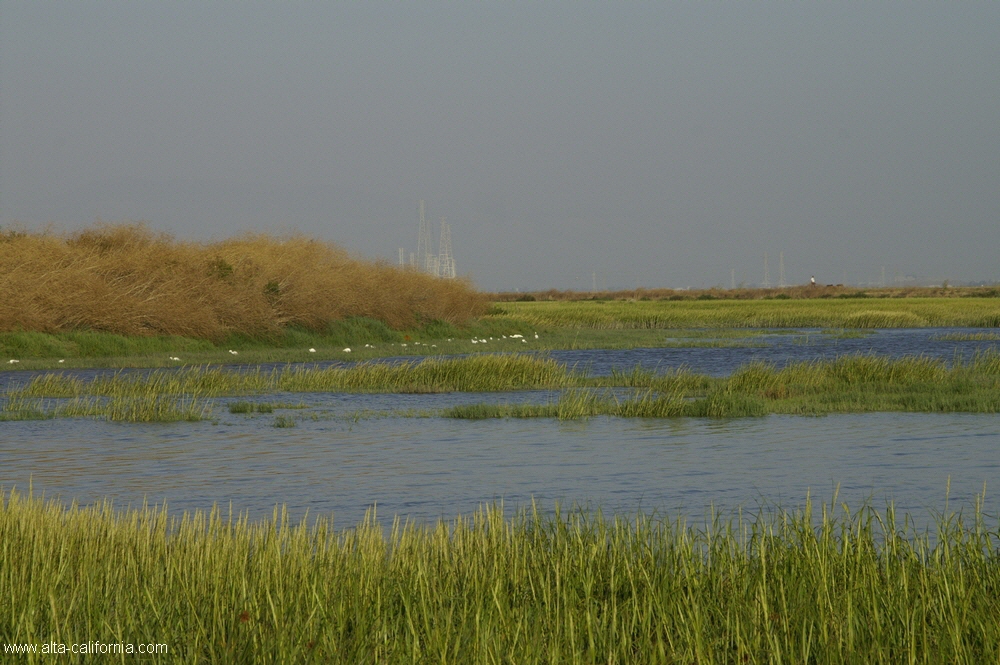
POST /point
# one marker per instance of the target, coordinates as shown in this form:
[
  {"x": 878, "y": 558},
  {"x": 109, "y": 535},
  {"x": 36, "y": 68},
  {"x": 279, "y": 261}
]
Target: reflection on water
[{"x": 425, "y": 468}]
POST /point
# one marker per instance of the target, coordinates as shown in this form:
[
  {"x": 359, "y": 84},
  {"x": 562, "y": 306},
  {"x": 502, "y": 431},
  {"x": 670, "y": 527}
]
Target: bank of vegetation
[
  {"x": 795, "y": 292},
  {"x": 803, "y": 313},
  {"x": 832, "y": 587},
  {"x": 126, "y": 280}
]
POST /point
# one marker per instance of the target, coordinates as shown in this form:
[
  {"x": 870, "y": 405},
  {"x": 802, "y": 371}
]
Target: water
[
  {"x": 783, "y": 347},
  {"x": 427, "y": 468}
]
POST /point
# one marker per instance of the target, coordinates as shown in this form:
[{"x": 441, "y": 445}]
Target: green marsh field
[{"x": 826, "y": 584}]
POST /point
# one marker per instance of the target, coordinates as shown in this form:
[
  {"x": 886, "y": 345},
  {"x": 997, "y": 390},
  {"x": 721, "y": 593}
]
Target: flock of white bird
[{"x": 474, "y": 340}]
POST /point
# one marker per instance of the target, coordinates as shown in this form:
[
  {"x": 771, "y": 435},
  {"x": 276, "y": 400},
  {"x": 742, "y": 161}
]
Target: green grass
[
  {"x": 479, "y": 373},
  {"x": 840, "y": 586},
  {"x": 849, "y": 384},
  {"x": 129, "y": 408},
  {"x": 815, "y": 313},
  {"x": 594, "y": 324}
]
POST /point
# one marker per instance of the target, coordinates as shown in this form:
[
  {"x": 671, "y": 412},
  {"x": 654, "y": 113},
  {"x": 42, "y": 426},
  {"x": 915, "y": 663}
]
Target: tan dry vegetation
[{"x": 129, "y": 280}]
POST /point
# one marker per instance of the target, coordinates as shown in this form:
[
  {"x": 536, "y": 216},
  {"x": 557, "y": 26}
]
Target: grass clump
[
  {"x": 841, "y": 586},
  {"x": 478, "y": 373},
  {"x": 849, "y": 384},
  {"x": 121, "y": 408}
]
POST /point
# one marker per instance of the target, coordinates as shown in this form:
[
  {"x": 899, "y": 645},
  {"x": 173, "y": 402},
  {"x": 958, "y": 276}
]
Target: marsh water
[{"x": 423, "y": 468}]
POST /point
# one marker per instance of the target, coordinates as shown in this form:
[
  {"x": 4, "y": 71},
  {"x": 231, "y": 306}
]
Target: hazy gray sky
[{"x": 662, "y": 144}]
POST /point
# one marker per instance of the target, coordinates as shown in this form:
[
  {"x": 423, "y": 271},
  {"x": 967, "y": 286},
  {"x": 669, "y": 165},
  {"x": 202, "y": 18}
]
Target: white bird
[
  {"x": 62, "y": 361},
  {"x": 536, "y": 335},
  {"x": 235, "y": 353},
  {"x": 475, "y": 341},
  {"x": 312, "y": 350},
  {"x": 12, "y": 361},
  {"x": 517, "y": 336},
  {"x": 174, "y": 358},
  {"x": 347, "y": 350}
]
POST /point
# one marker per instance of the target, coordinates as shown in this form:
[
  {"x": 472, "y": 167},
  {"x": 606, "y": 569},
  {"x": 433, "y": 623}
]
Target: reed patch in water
[
  {"x": 855, "y": 383},
  {"x": 849, "y": 384}
]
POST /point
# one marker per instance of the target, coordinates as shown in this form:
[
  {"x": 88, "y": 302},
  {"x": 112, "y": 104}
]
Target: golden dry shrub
[{"x": 126, "y": 279}]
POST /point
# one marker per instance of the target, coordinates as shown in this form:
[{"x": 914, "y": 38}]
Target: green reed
[
  {"x": 135, "y": 409},
  {"x": 839, "y": 586},
  {"x": 849, "y": 384},
  {"x": 855, "y": 383},
  {"x": 478, "y": 373}
]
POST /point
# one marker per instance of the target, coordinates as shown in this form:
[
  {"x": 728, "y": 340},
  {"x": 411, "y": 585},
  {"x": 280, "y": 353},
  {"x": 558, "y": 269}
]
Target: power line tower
[
  {"x": 445, "y": 259},
  {"x": 424, "y": 251},
  {"x": 781, "y": 270}
]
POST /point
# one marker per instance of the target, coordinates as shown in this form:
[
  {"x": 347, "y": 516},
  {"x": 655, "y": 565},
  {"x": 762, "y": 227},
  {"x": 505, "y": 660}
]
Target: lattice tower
[
  {"x": 446, "y": 261},
  {"x": 424, "y": 252}
]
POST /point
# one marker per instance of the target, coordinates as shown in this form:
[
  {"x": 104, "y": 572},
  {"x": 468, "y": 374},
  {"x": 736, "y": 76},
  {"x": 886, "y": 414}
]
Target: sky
[{"x": 568, "y": 144}]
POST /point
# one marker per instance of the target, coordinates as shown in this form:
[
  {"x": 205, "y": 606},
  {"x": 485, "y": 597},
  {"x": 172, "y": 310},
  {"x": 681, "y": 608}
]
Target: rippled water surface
[{"x": 425, "y": 468}]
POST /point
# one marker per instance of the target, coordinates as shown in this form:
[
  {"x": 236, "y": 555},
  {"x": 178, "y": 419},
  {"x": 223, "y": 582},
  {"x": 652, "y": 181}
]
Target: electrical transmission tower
[
  {"x": 445, "y": 259},
  {"x": 425, "y": 255},
  {"x": 440, "y": 264},
  {"x": 781, "y": 270}
]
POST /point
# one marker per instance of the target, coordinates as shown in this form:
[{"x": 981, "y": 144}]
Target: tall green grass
[
  {"x": 837, "y": 587},
  {"x": 121, "y": 408},
  {"x": 479, "y": 373}
]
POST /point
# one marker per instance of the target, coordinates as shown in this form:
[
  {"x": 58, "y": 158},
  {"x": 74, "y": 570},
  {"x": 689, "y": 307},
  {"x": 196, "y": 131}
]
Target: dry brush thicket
[{"x": 129, "y": 280}]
